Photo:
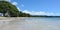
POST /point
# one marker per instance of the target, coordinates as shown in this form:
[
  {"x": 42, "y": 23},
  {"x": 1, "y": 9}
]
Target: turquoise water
[
  {"x": 39, "y": 23},
  {"x": 32, "y": 23}
]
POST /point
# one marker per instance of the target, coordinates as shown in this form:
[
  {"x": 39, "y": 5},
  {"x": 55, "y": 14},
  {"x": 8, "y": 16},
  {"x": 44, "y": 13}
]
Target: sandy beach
[
  {"x": 25, "y": 23},
  {"x": 9, "y": 23}
]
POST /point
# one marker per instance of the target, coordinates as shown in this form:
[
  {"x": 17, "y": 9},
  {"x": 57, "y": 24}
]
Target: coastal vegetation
[{"x": 9, "y": 10}]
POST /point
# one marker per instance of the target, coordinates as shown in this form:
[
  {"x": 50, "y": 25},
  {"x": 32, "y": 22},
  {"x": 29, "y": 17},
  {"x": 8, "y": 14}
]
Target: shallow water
[{"x": 31, "y": 23}]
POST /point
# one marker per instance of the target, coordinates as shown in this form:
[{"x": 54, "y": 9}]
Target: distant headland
[{"x": 43, "y": 16}]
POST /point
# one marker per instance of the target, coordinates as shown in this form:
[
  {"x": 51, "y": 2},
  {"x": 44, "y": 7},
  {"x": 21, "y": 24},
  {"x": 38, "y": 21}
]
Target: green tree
[
  {"x": 8, "y": 7},
  {"x": 21, "y": 14}
]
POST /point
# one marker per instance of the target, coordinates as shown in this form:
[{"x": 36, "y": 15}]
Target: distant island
[{"x": 43, "y": 16}]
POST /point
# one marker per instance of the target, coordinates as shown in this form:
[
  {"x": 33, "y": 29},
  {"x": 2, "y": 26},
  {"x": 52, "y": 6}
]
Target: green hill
[{"x": 9, "y": 10}]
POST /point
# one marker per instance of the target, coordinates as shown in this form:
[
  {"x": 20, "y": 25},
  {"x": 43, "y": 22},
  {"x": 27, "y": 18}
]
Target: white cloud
[
  {"x": 8, "y": 0},
  {"x": 14, "y": 3},
  {"x": 18, "y": 8},
  {"x": 39, "y": 13},
  {"x": 26, "y": 11},
  {"x": 22, "y": 5}
]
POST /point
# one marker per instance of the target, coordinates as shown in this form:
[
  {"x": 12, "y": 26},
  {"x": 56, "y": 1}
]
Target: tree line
[{"x": 9, "y": 10}]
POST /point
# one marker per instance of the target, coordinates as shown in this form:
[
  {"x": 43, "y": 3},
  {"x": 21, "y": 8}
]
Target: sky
[{"x": 38, "y": 7}]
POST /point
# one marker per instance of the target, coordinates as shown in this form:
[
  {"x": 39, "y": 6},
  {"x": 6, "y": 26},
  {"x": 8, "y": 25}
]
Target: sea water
[{"x": 31, "y": 23}]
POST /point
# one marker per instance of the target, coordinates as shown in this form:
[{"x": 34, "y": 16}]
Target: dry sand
[{"x": 9, "y": 23}]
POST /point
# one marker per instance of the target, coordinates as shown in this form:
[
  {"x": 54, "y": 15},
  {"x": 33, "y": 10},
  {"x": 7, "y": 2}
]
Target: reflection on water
[{"x": 31, "y": 24}]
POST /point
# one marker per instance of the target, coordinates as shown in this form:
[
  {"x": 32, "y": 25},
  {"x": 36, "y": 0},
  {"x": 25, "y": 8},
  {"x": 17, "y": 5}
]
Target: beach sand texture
[{"x": 27, "y": 24}]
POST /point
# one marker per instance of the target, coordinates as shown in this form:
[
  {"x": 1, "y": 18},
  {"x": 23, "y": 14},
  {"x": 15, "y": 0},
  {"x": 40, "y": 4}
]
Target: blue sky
[{"x": 38, "y": 7}]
